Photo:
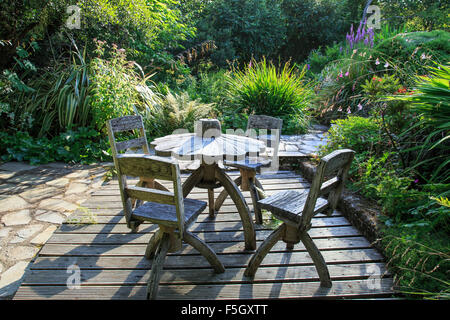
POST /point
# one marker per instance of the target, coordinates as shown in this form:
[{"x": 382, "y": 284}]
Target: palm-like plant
[{"x": 431, "y": 101}]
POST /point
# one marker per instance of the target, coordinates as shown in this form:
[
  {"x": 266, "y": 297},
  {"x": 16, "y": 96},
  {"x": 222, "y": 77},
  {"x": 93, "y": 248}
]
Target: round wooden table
[{"x": 210, "y": 146}]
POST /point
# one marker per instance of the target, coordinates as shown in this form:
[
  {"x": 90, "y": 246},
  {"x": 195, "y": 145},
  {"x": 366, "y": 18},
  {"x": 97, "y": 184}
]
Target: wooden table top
[{"x": 190, "y": 146}]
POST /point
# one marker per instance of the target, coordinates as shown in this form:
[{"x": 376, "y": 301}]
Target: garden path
[{"x": 34, "y": 201}]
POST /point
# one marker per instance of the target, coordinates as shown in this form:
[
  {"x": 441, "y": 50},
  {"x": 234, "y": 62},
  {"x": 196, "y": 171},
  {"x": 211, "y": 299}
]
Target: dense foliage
[
  {"x": 385, "y": 92},
  {"x": 262, "y": 88}
]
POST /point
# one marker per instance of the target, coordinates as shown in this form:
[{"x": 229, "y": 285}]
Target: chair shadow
[{"x": 139, "y": 272}]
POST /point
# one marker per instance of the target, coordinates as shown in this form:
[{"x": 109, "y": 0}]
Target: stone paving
[
  {"x": 305, "y": 144},
  {"x": 35, "y": 200}
]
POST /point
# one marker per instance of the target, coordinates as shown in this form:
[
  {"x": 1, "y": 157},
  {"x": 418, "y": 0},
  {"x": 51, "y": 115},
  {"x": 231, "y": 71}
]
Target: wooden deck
[{"x": 112, "y": 263}]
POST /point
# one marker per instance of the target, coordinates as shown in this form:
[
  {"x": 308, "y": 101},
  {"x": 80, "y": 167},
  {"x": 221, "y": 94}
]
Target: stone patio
[{"x": 34, "y": 201}]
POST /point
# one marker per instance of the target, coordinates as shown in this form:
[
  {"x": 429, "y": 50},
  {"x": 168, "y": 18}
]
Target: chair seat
[
  {"x": 288, "y": 205},
  {"x": 166, "y": 214},
  {"x": 249, "y": 163}
]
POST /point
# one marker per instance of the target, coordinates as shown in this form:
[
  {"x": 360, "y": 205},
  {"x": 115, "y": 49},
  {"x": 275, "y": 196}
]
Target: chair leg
[
  {"x": 255, "y": 198},
  {"x": 157, "y": 266},
  {"x": 224, "y": 194},
  {"x": 212, "y": 211},
  {"x": 263, "y": 250},
  {"x": 153, "y": 244},
  {"x": 205, "y": 251},
  {"x": 134, "y": 225},
  {"x": 318, "y": 260}
]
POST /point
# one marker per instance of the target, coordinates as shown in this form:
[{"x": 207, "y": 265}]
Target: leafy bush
[
  {"x": 261, "y": 88},
  {"x": 58, "y": 100},
  {"x": 412, "y": 53},
  {"x": 242, "y": 29},
  {"x": 167, "y": 113},
  {"x": 311, "y": 24},
  {"x": 83, "y": 145},
  {"x": 376, "y": 172},
  {"x": 114, "y": 83},
  {"x": 210, "y": 87}
]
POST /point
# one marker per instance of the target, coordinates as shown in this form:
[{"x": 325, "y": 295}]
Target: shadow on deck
[{"x": 109, "y": 260}]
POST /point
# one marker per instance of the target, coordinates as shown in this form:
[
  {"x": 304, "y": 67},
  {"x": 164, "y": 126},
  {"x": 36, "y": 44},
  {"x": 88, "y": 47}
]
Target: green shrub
[
  {"x": 394, "y": 115},
  {"x": 261, "y": 88},
  {"x": 381, "y": 179},
  {"x": 83, "y": 145},
  {"x": 411, "y": 53},
  {"x": 210, "y": 87},
  {"x": 339, "y": 89},
  {"x": 319, "y": 58},
  {"x": 170, "y": 112},
  {"x": 114, "y": 83},
  {"x": 363, "y": 135},
  {"x": 375, "y": 172},
  {"x": 242, "y": 29},
  {"x": 59, "y": 100}
]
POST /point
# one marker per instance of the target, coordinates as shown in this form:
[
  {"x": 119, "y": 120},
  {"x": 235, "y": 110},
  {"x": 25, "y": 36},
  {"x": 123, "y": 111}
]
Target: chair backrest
[
  {"x": 334, "y": 168},
  {"x": 153, "y": 167},
  {"x": 127, "y": 123},
  {"x": 268, "y": 123}
]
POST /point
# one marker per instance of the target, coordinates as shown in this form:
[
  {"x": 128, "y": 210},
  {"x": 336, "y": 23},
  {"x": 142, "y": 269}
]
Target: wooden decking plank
[
  {"x": 111, "y": 218},
  {"x": 113, "y": 201},
  {"x": 207, "y": 225},
  {"x": 225, "y": 247},
  {"x": 220, "y": 236},
  {"x": 203, "y": 276},
  {"x": 198, "y": 192},
  {"x": 286, "y": 290},
  {"x": 237, "y": 260}
]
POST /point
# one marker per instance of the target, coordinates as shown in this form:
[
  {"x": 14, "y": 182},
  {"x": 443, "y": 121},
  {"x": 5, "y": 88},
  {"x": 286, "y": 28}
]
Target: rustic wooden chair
[
  {"x": 250, "y": 166},
  {"x": 296, "y": 208},
  {"x": 131, "y": 124},
  {"x": 169, "y": 210}
]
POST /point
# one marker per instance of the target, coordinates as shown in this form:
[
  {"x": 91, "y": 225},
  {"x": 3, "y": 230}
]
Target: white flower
[{"x": 386, "y": 65}]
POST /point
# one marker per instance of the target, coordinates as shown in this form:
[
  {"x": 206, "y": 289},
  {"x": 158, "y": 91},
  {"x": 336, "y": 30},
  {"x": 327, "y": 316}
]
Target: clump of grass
[
  {"x": 87, "y": 217},
  {"x": 262, "y": 88},
  {"x": 420, "y": 271}
]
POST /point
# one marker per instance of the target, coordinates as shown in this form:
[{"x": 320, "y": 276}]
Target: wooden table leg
[
  {"x": 192, "y": 181},
  {"x": 209, "y": 177},
  {"x": 239, "y": 201},
  {"x": 224, "y": 194},
  {"x": 212, "y": 211}
]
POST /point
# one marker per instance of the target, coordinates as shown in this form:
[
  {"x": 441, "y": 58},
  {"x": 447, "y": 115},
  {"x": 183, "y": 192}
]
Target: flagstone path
[{"x": 34, "y": 201}]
